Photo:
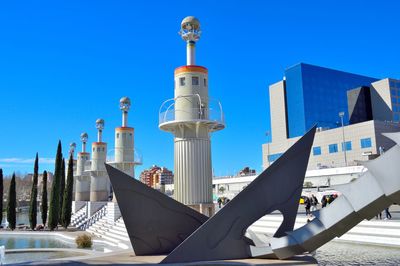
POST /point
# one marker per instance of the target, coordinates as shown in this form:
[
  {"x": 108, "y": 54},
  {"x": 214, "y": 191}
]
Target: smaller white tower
[
  {"x": 124, "y": 141},
  {"x": 99, "y": 182},
  {"x": 82, "y": 192},
  {"x": 72, "y": 148}
]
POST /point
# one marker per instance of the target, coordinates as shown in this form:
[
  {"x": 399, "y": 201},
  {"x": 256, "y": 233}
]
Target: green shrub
[{"x": 83, "y": 241}]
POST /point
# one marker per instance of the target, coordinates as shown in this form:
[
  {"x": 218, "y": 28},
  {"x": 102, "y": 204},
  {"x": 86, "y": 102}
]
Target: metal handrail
[{"x": 164, "y": 113}]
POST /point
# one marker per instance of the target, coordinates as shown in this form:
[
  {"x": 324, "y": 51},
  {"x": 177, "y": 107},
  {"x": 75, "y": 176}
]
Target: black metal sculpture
[
  {"x": 156, "y": 223},
  {"x": 277, "y": 188}
]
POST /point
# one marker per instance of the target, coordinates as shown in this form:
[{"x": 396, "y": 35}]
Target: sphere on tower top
[
  {"x": 72, "y": 146},
  {"x": 190, "y": 29},
  {"x": 124, "y": 104},
  {"x": 100, "y": 124},
  {"x": 84, "y": 137}
]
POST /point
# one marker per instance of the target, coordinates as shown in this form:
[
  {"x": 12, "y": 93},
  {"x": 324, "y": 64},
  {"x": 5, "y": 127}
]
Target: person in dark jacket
[{"x": 307, "y": 204}]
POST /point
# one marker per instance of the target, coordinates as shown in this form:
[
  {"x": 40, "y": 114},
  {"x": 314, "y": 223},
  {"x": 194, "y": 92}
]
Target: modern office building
[{"x": 351, "y": 111}]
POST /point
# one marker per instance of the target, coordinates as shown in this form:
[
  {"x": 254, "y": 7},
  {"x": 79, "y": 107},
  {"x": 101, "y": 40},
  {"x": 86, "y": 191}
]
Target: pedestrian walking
[
  {"x": 314, "y": 202},
  {"x": 307, "y": 203},
  {"x": 388, "y": 215},
  {"x": 323, "y": 201}
]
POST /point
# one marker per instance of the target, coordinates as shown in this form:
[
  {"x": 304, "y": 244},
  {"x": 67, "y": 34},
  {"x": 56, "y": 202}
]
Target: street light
[
  {"x": 344, "y": 148},
  {"x": 267, "y": 133}
]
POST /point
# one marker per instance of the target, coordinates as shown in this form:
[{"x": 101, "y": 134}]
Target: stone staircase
[
  {"x": 98, "y": 215},
  {"x": 373, "y": 232},
  {"x": 113, "y": 233},
  {"x": 79, "y": 216}
]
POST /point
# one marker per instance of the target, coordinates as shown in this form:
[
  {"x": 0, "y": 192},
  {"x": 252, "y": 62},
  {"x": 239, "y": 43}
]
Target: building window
[
  {"x": 205, "y": 82},
  {"x": 274, "y": 157},
  {"x": 333, "y": 148},
  {"x": 195, "y": 81},
  {"x": 130, "y": 134},
  {"x": 316, "y": 150},
  {"x": 94, "y": 149},
  {"x": 393, "y": 92},
  {"x": 366, "y": 143},
  {"x": 98, "y": 149},
  {"x": 182, "y": 81},
  {"x": 346, "y": 145},
  {"x": 102, "y": 149},
  {"x": 396, "y": 117},
  {"x": 117, "y": 135}
]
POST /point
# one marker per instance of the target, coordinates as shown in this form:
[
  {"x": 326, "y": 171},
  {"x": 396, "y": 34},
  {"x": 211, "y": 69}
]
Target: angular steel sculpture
[
  {"x": 156, "y": 223},
  {"x": 371, "y": 193},
  {"x": 277, "y": 188}
]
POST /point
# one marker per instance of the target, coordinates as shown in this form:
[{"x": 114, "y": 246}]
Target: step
[
  {"x": 112, "y": 231},
  {"x": 119, "y": 237}
]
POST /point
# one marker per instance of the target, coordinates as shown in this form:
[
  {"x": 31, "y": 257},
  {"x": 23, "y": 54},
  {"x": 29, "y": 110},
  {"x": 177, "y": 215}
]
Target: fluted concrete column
[{"x": 193, "y": 177}]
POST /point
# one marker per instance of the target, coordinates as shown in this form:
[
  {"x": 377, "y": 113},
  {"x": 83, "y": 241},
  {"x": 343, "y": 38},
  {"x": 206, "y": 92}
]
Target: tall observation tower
[{"x": 191, "y": 116}]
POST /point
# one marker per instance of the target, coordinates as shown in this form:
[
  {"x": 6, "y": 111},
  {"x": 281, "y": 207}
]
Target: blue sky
[{"x": 63, "y": 64}]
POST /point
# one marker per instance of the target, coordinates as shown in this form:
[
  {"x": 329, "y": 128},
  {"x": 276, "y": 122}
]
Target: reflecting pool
[{"x": 39, "y": 240}]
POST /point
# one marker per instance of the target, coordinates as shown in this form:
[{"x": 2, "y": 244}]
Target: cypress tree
[
  {"x": 67, "y": 202},
  {"x": 44, "y": 199},
  {"x": 62, "y": 188},
  {"x": 34, "y": 191},
  {"x": 54, "y": 211},
  {"x": 11, "y": 204},
  {"x": 1, "y": 195}
]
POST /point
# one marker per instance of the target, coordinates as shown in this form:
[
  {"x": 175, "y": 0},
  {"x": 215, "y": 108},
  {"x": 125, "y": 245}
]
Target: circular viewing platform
[{"x": 170, "y": 117}]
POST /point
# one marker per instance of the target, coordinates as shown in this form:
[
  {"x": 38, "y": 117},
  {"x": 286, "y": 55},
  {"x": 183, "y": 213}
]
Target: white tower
[
  {"x": 191, "y": 115},
  {"x": 124, "y": 141},
  {"x": 99, "y": 182},
  {"x": 72, "y": 147},
  {"x": 82, "y": 190}
]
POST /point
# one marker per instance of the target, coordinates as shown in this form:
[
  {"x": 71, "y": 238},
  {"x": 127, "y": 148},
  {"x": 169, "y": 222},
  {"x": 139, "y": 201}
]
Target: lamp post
[
  {"x": 267, "y": 133},
  {"x": 344, "y": 148}
]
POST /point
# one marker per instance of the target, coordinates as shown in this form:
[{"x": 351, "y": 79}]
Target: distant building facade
[
  {"x": 311, "y": 95},
  {"x": 156, "y": 177}
]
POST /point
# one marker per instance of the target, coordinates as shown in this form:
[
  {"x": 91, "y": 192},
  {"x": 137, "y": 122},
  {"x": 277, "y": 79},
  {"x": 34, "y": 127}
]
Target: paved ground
[{"x": 126, "y": 258}]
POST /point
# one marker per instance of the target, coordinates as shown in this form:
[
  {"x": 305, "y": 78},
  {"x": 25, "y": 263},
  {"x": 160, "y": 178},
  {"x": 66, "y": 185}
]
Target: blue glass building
[{"x": 316, "y": 95}]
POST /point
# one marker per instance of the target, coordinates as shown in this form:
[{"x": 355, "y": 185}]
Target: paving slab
[{"x": 127, "y": 258}]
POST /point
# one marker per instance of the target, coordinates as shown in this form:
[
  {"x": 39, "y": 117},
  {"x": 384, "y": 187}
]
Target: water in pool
[{"x": 36, "y": 240}]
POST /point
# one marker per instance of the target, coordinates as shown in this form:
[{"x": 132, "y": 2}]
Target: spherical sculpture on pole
[
  {"x": 190, "y": 32},
  {"x": 124, "y": 105},
  {"x": 72, "y": 148}
]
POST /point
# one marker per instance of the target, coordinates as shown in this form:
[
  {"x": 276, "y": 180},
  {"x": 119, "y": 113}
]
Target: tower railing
[{"x": 213, "y": 113}]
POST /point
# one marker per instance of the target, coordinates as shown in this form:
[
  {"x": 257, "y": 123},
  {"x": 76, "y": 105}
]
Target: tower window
[
  {"x": 94, "y": 149},
  {"x": 182, "y": 81},
  {"x": 117, "y": 135},
  {"x": 195, "y": 81},
  {"x": 205, "y": 82},
  {"x": 130, "y": 134}
]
